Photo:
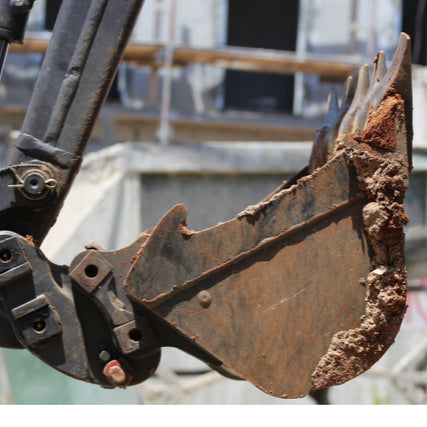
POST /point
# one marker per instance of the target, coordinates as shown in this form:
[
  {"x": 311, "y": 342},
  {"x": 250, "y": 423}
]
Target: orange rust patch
[
  {"x": 30, "y": 239},
  {"x": 383, "y": 124},
  {"x": 185, "y": 232}
]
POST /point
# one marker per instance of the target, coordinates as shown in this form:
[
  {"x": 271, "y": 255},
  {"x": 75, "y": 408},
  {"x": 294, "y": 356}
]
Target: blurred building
[{"x": 215, "y": 103}]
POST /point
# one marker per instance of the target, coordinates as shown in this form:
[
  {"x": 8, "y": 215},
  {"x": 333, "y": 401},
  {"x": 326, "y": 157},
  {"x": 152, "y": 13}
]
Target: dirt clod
[
  {"x": 383, "y": 178},
  {"x": 383, "y": 123}
]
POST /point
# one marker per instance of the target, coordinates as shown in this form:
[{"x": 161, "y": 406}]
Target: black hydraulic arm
[
  {"x": 83, "y": 55},
  {"x": 84, "y": 52}
]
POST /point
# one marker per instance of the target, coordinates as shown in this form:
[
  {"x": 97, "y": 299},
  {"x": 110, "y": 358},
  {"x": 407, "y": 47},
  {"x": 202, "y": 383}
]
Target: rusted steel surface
[
  {"x": 175, "y": 255},
  {"x": 270, "y": 306}
]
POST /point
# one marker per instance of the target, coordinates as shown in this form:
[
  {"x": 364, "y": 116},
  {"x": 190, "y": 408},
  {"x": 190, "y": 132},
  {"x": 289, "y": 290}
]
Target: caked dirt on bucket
[{"x": 383, "y": 177}]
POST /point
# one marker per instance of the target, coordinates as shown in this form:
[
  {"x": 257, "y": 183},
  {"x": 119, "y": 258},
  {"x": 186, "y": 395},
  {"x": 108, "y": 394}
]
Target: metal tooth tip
[
  {"x": 397, "y": 72},
  {"x": 360, "y": 119},
  {"x": 380, "y": 66},
  {"x": 402, "y": 51},
  {"x": 332, "y": 100},
  {"x": 349, "y": 85},
  {"x": 348, "y": 92},
  {"x": 404, "y": 40},
  {"x": 363, "y": 82}
]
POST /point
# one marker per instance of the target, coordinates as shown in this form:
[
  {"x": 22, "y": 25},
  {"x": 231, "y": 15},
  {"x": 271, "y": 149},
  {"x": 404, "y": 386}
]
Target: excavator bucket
[{"x": 307, "y": 289}]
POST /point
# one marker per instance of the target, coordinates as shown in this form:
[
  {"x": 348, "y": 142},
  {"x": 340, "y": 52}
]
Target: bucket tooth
[{"x": 324, "y": 142}]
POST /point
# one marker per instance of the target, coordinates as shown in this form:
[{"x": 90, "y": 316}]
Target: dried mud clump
[
  {"x": 383, "y": 178},
  {"x": 383, "y": 124}
]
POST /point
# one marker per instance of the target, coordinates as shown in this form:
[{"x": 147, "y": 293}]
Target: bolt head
[
  {"x": 204, "y": 298},
  {"x": 34, "y": 184},
  {"x": 104, "y": 356},
  {"x": 116, "y": 374}
]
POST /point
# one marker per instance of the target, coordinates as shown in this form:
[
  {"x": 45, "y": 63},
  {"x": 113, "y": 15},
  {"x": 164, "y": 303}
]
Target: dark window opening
[
  {"x": 270, "y": 24},
  {"x": 414, "y": 23}
]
